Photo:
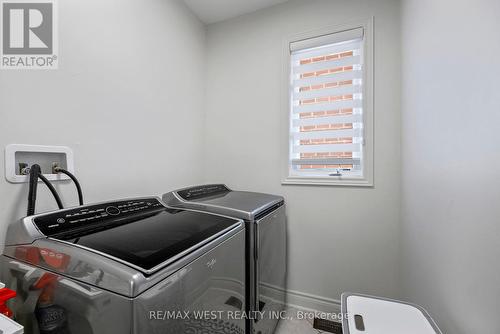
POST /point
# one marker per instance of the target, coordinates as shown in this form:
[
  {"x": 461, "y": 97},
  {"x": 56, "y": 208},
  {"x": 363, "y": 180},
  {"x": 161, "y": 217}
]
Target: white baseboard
[
  {"x": 302, "y": 300},
  {"x": 310, "y": 302}
]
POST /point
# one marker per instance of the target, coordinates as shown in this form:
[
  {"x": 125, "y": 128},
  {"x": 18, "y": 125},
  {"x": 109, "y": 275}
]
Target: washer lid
[
  {"x": 367, "y": 314},
  {"x": 218, "y": 198},
  {"x": 152, "y": 242}
]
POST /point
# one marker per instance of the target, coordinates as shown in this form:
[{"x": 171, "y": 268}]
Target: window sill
[{"x": 324, "y": 181}]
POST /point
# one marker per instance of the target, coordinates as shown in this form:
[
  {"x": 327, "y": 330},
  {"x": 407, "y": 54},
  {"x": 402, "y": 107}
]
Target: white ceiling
[{"x": 211, "y": 11}]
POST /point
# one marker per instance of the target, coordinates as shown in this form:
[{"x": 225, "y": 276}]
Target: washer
[
  {"x": 265, "y": 225},
  {"x": 128, "y": 266}
]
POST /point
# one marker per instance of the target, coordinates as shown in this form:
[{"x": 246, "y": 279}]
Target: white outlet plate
[{"x": 14, "y": 151}]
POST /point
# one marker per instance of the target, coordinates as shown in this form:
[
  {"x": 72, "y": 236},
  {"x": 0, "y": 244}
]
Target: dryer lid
[{"x": 218, "y": 198}]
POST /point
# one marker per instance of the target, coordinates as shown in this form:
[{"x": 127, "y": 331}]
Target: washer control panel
[
  {"x": 89, "y": 216},
  {"x": 203, "y": 191}
]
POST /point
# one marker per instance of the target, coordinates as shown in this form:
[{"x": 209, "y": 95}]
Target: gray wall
[
  {"x": 340, "y": 238},
  {"x": 130, "y": 86},
  {"x": 450, "y": 150}
]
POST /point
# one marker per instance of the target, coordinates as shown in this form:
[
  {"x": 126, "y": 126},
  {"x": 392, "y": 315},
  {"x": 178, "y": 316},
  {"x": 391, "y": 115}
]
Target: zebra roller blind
[{"x": 326, "y": 98}]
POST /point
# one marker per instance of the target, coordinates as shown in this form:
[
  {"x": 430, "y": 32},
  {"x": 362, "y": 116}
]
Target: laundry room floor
[{"x": 292, "y": 325}]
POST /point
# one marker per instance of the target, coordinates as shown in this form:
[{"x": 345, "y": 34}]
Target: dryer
[
  {"x": 129, "y": 266},
  {"x": 265, "y": 225}
]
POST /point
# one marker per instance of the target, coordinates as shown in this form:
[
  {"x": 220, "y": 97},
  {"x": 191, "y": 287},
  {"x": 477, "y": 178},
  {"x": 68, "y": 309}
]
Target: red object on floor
[{"x": 5, "y": 295}]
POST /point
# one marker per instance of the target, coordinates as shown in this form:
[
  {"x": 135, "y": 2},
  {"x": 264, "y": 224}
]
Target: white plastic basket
[
  {"x": 368, "y": 314},
  {"x": 9, "y": 326}
]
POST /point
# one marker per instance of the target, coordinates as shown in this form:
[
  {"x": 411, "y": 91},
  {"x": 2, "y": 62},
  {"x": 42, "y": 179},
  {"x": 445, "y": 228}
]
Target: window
[{"x": 329, "y": 109}]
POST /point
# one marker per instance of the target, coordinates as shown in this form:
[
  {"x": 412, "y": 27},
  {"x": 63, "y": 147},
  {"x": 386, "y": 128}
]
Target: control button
[
  {"x": 113, "y": 210},
  {"x": 61, "y": 220}
]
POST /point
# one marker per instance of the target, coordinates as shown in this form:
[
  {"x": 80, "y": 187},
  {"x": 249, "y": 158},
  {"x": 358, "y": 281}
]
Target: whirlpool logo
[
  {"x": 29, "y": 34},
  {"x": 211, "y": 263}
]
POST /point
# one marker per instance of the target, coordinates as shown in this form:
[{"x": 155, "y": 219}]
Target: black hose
[
  {"x": 75, "y": 180},
  {"x": 34, "y": 171},
  {"x": 52, "y": 190},
  {"x": 35, "y": 174}
]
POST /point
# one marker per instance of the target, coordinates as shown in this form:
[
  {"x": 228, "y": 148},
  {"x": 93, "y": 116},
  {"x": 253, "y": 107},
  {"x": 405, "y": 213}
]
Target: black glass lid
[{"x": 148, "y": 241}]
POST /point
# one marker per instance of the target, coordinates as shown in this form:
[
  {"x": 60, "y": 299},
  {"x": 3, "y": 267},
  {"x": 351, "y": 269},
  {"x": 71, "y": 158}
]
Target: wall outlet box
[{"x": 17, "y": 155}]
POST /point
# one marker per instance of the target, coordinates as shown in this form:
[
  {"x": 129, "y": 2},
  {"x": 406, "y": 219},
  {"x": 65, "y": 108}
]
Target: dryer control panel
[
  {"x": 94, "y": 216},
  {"x": 203, "y": 191}
]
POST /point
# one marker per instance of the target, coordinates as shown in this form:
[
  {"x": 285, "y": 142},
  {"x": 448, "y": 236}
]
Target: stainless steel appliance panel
[
  {"x": 211, "y": 289},
  {"x": 47, "y": 302},
  {"x": 270, "y": 269},
  {"x": 213, "y": 281}
]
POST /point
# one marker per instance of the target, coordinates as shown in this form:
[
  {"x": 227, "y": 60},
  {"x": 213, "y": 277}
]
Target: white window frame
[{"x": 368, "y": 109}]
